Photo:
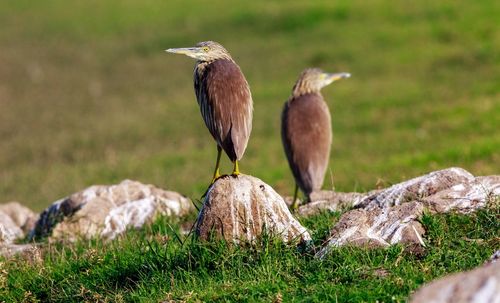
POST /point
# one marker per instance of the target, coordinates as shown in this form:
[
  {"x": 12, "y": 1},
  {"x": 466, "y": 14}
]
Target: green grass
[
  {"x": 88, "y": 95},
  {"x": 153, "y": 265}
]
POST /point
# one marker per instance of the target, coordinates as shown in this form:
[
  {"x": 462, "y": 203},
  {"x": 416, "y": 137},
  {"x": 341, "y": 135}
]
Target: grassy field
[
  {"x": 88, "y": 95},
  {"x": 153, "y": 266}
]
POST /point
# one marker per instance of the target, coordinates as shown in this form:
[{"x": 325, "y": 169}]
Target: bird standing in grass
[
  {"x": 224, "y": 98},
  {"x": 306, "y": 130}
]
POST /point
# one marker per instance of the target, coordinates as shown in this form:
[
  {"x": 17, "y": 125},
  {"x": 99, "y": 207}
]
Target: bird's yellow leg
[
  {"x": 216, "y": 172},
  {"x": 236, "y": 169},
  {"x": 295, "y": 203}
]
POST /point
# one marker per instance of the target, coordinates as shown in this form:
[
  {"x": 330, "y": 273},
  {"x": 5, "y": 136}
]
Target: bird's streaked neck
[
  {"x": 302, "y": 87},
  {"x": 201, "y": 65},
  {"x": 212, "y": 60}
]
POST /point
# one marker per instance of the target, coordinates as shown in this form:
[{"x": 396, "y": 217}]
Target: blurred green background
[{"x": 88, "y": 95}]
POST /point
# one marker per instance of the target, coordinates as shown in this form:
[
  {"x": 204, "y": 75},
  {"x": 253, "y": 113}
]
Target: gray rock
[
  {"x": 417, "y": 188},
  {"x": 9, "y": 230},
  {"x": 331, "y": 201},
  {"x": 481, "y": 285},
  {"x": 379, "y": 227},
  {"x": 22, "y": 216},
  {"x": 15, "y": 220},
  {"x": 465, "y": 196},
  {"x": 391, "y": 215},
  {"x": 107, "y": 211},
  {"x": 240, "y": 209}
]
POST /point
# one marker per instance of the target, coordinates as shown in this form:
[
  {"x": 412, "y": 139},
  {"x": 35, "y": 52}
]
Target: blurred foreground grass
[{"x": 87, "y": 94}]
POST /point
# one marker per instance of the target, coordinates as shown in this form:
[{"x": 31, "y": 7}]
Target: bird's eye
[{"x": 205, "y": 49}]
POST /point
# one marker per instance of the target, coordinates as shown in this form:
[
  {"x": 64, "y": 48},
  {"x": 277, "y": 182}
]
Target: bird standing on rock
[
  {"x": 306, "y": 130},
  {"x": 224, "y": 98}
]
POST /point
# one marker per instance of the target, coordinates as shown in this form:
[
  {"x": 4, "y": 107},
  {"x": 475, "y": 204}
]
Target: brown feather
[
  {"x": 307, "y": 136},
  {"x": 225, "y": 102}
]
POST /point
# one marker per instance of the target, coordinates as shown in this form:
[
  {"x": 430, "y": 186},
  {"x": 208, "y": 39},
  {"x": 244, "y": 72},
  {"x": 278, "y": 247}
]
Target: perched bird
[
  {"x": 224, "y": 98},
  {"x": 306, "y": 130}
]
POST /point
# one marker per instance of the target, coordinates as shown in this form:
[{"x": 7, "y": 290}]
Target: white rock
[
  {"x": 9, "y": 231},
  {"x": 240, "y": 209},
  {"x": 379, "y": 227},
  {"x": 417, "y": 188},
  {"x": 465, "y": 197},
  {"x": 107, "y": 211}
]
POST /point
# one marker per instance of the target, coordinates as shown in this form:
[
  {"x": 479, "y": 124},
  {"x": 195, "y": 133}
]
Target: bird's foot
[
  {"x": 295, "y": 202},
  {"x": 236, "y": 169},
  {"x": 216, "y": 176}
]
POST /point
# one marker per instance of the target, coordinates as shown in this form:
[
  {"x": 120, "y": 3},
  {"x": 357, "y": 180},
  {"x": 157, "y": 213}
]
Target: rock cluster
[
  {"x": 107, "y": 211},
  {"x": 240, "y": 209},
  {"x": 103, "y": 211},
  {"x": 391, "y": 215}
]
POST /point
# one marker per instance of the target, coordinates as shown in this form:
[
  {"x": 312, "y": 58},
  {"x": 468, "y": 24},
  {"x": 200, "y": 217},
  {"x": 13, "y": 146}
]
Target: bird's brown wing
[
  {"x": 226, "y": 105},
  {"x": 306, "y": 135}
]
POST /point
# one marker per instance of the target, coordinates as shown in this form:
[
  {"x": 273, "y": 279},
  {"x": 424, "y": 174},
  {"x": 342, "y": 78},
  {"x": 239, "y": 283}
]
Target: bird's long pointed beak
[
  {"x": 183, "y": 50},
  {"x": 338, "y": 76},
  {"x": 188, "y": 51}
]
